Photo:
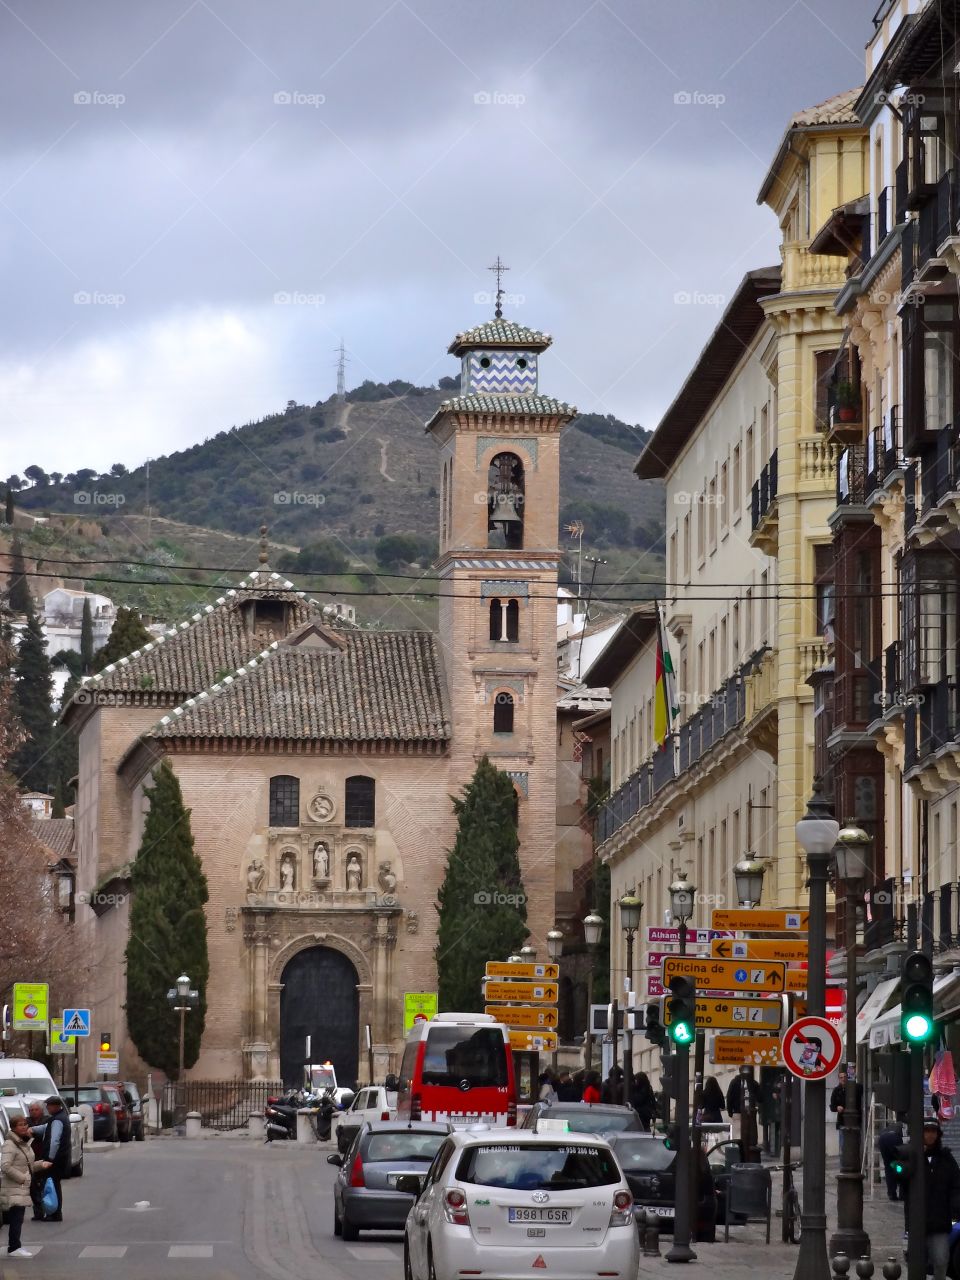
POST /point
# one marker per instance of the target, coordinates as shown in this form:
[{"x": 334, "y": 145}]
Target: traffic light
[
  {"x": 892, "y": 1083},
  {"x": 106, "y": 1041},
  {"x": 916, "y": 1001},
  {"x": 901, "y": 1165},
  {"x": 656, "y": 1033},
  {"x": 683, "y": 1010}
]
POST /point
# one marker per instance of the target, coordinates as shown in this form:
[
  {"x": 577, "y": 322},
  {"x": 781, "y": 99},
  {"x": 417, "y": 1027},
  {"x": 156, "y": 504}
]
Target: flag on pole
[{"x": 664, "y": 697}]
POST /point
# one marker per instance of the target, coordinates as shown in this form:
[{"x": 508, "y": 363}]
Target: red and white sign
[
  {"x": 812, "y": 1048},
  {"x": 655, "y": 987},
  {"x": 699, "y": 937}
]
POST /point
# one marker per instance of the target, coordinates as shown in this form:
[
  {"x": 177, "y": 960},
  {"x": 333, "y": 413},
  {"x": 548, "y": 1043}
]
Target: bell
[{"x": 505, "y": 512}]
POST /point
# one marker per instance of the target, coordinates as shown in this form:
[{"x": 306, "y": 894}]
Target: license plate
[
  {"x": 663, "y": 1213},
  {"x": 524, "y": 1214}
]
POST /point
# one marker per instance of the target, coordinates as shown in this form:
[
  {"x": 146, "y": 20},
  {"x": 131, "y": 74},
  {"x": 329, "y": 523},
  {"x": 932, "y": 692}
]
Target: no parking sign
[{"x": 812, "y": 1048}]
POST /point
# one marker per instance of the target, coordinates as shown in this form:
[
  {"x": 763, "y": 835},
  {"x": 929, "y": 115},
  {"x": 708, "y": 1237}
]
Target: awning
[
  {"x": 871, "y": 1009},
  {"x": 946, "y": 1001}
]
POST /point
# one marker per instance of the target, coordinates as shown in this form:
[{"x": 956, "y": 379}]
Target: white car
[
  {"x": 510, "y": 1203},
  {"x": 373, "y": 1102}
]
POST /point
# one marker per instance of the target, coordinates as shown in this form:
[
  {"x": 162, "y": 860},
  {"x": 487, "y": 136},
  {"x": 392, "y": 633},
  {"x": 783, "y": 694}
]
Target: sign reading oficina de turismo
[{"x": 812, "y": 1048}]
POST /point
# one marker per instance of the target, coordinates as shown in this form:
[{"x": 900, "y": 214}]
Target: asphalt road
[{"x": 217, "y": 1209}]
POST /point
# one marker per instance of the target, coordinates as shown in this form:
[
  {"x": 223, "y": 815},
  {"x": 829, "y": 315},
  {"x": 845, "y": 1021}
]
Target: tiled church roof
[
  {"x": 374, "y": 686},
  {"x": 499, "y": 333},
  {"x": 55, "y": 834},
  {"x": 544, "y": 406}
]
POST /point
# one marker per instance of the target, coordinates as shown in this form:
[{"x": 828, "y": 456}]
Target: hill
[{"x": 345, "y": 475}]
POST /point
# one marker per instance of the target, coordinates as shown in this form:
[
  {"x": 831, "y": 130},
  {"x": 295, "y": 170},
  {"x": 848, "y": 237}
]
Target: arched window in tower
[
  {"x": 284, "y": 801},
  {"x": 513, "y": 620},
  {"x": 503, "y": 713},
  {"x": 496, "y": 619},
  {"x": 504, "y": 620},
  {"x": 359, "y": 801},
  {"x": 505, "y": 502}
]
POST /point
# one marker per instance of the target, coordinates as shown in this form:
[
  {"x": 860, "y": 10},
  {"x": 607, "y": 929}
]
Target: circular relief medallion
[{"x": 321, "y": 808}]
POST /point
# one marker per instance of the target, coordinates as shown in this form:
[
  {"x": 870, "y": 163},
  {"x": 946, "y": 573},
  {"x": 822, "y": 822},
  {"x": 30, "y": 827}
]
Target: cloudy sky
[{"x": 199, "y": 197}]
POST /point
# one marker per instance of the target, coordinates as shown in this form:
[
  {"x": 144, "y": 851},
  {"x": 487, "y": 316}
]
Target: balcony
[
  {"x": 805, "y": 270},
  {"x": 939, "y": 509},
  {"x": 852, "y": 476},
  {"x": 763, "y": 508},
  {"x": 932, "y": 737},
  {"x": 885, "y": 212},
  {"x": 818, "y": 462}
]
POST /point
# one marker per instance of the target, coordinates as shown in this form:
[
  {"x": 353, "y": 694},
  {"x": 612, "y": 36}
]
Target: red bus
[{"x": 458, "y": 1067}]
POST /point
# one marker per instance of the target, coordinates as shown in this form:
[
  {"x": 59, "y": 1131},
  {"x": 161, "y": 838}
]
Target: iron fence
[{"x": 222, "y": 1104}]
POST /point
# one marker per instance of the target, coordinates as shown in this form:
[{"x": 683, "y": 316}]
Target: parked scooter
[{"x": 280, "y": 1118}]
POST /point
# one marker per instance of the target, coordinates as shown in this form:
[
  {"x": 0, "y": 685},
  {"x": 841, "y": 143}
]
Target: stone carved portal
[{"x": 320, "y": 999}]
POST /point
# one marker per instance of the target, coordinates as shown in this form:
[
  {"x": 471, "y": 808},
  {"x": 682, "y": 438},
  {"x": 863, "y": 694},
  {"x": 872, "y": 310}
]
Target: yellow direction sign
[
  {"x": 726, "y": 975},
  {"x": 518, "y": 1016},
  {"x": 534, "y": 1041},
  {"x": 760, "y": 921},
  {"x": 735, "y": 1015},
  {"x": 796, "y": 980},
  {"x": 31, "y": 1006},
  {"x": 741, "y": 1051},
  {"x": 759, "y": 949},
  {"x": 521, "y": 969},
  {"x": 524, "y": 992}
]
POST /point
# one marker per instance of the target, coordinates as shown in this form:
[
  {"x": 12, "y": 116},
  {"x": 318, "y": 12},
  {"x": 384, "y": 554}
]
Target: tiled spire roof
[{"x": 500, "y": 333}]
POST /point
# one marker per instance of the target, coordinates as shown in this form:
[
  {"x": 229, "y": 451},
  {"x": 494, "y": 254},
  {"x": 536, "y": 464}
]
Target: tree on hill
[
  {"x": 8, "y": 507},
  {"x": 398, "y": 549},
  {"x": 18, "y": 593},
  {"x": 32, "y": 762},
  {"x": 168, "y": 928},
  {"x": 37, "y": 475},
  {"x": 127, "y": 635},
  {"x": 481, "y": 904},
  {"x": 86, "y": 636},
  {"x": 322, "y": 556}
]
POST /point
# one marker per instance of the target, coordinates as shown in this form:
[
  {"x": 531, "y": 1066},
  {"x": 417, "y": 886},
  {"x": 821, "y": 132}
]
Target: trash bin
[{"x": 749, "y": 1195}]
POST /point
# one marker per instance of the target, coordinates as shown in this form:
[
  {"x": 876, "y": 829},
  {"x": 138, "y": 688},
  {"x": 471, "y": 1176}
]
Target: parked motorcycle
[{"x": 280, "y": 1118}]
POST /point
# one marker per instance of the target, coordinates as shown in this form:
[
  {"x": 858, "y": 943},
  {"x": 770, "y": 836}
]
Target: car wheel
[
  {"x": 139, "y": 1134},
  {"x": 348, "y": 1230},
  {"x": 431, "y": 1269},
  {"x": 407, "y": 1266},
  {"x": 78, "y": 1168},
  {"x": 337, "y": 1224}
]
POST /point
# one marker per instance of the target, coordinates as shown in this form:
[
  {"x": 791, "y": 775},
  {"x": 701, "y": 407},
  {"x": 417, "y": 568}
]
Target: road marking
[
  {"x": 104, "y": 1251},
  {"x": 190, "y": 1251},
  {"x": 373, "y": 1253}
]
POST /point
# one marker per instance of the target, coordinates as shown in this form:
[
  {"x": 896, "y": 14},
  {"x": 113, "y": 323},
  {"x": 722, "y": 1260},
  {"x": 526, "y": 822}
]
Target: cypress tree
[
  {"x": 59, "y": 808},
  {"x": 18, "y": 593},
  {"x": 126, "y": 636},
  {"x": 32, "y": 762},
  {"x": 86, "y": 636},
  {"x": 481, "y": 903},
  {"x": 168, "y": 929}
]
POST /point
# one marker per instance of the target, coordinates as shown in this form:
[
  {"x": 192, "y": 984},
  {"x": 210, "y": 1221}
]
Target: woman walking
[
  {"x": 712, "y": 1101},
  {"x": 16, "y": 1174}
]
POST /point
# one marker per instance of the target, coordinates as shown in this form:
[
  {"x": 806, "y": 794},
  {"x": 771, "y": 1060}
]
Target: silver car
[{"x": 365, "y": 1195}]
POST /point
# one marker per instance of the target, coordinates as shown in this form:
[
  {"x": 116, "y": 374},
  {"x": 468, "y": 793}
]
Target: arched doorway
[{"x": 319, "y": 999}]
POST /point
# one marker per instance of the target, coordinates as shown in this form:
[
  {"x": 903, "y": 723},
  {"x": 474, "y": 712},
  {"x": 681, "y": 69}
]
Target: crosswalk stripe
[
  {"x": 190, "y": 1251},
  {"x": 104, "y": 1251},
  {"x": 373, "y": 1253}
]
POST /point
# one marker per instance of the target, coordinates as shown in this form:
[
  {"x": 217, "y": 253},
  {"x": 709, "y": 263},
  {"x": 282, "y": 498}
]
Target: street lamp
[
  {"x": 528, "y": 954},
  {"x": 850, "y": 1238},
  {"x": 682, "y": 894},
  {"x": 592, "y": 929},
  {"x": 817, "y": 834},
  {"x": 748, "y": 877},
  {"x": 554, "y": 943},
  {"x": 630, "y": 909},
  {"x": 182, "y": 999}
]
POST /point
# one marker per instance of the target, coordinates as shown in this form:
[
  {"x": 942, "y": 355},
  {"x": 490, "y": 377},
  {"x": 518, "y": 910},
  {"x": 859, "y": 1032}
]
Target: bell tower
[{"x": 499, "y": 442}]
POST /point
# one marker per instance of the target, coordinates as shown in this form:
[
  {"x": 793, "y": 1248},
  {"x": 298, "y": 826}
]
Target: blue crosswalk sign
[{"x": 76, "y": 1022}]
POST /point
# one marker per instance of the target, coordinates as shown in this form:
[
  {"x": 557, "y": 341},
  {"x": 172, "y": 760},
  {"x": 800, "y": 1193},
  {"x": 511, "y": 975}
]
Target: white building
[{"x": 63, "y": 618}]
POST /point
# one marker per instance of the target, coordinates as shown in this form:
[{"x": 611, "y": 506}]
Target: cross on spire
[{"x": 499, "y": 268}]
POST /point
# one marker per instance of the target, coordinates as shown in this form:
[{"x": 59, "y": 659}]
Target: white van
[{"x": 23, "y": 1081}]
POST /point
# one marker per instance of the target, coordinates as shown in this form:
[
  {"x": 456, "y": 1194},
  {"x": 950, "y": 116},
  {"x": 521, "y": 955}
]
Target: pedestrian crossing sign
[{"x": 76, "y": 1022}]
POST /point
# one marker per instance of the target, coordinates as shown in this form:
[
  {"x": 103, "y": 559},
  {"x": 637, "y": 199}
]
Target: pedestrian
[
  {"x": 38, "y": 1124},
  {"x": 942, "y": 1174},
  {"x": 887, "y": 1142},
  {"x": 55, "y": 1153},
  {"x": 838, "y": 1103},
  {"x": 567, "y": 1090},
  {"x": 591, "y": 1088},
  {"x": 613, "y": 1086},
  {"x": 644, "y": 1100},
  {"x": 712, "y": 1101},
  {"x": 548, "y": 1089},
  {"x": 16, "y": 1175}
]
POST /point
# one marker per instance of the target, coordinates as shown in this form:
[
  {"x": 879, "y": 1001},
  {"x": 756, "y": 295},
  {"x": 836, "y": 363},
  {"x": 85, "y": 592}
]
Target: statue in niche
[
  {"x": 354, "y": 874},
  {"x": 321, "y": 860},
  {"x": 256, "y": 874},
  {"x": 386, "y": 879},
  {"x": 288, "y": 873}
]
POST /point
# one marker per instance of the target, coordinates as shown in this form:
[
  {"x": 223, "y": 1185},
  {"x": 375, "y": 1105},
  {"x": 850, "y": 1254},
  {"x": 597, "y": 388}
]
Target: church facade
[{"x": 319, "y": 761}]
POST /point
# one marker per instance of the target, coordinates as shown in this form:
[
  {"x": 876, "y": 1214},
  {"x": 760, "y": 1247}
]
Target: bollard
[
  {"x": 651, "y": 1237},
  {"x": 255, "y": 1126},
  {"x": 194, "y": 1124},
  {"x": 841, "y": 1265},
  {"x": 865, "y": 1268},
  {"x": 305, "y": 1129},
  {"x": 891, "y": 1268}
]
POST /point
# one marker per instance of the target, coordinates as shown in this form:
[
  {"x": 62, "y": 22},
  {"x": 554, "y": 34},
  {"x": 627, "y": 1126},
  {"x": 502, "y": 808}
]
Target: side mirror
[
  {"x": 391, "y": 1083},
  {"x": 335, "y": 1158},
  {"x": 411, "y": 1183}
]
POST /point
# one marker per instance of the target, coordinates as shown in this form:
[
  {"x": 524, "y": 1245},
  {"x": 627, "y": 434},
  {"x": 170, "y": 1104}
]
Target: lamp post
[
  {"x": 592, "y": 929},
  {"x": 816, "y": 834},
  {"x": 630, "y": 909},
  {"x": 850, "y": 1237},
  {"x": 682, "y": 894},
  {"x": 528, "y": 954},
  {"x": 554, "y": 943},
  {"x": 748, "y": 877},
  {"x": 181, "y": 999}
]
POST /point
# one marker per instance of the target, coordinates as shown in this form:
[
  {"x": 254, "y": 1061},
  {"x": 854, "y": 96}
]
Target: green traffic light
[
  {"x": 918, "y": 1026},
  {"x": 898, "y": 1167},
  {"x": 682, "y": 1032}
]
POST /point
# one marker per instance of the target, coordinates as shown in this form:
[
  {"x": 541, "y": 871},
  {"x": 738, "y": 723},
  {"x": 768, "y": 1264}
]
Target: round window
[
  {"x": 521, "y": 362},
  {"x": 484, "y": 362}
]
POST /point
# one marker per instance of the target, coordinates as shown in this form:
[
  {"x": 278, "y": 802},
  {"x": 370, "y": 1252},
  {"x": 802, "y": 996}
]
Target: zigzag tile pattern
[{"x": 502, "y": 374}]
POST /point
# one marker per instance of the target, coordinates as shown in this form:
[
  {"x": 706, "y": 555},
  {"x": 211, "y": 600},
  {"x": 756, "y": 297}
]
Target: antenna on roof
[{"x": 499, "y": 268}]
